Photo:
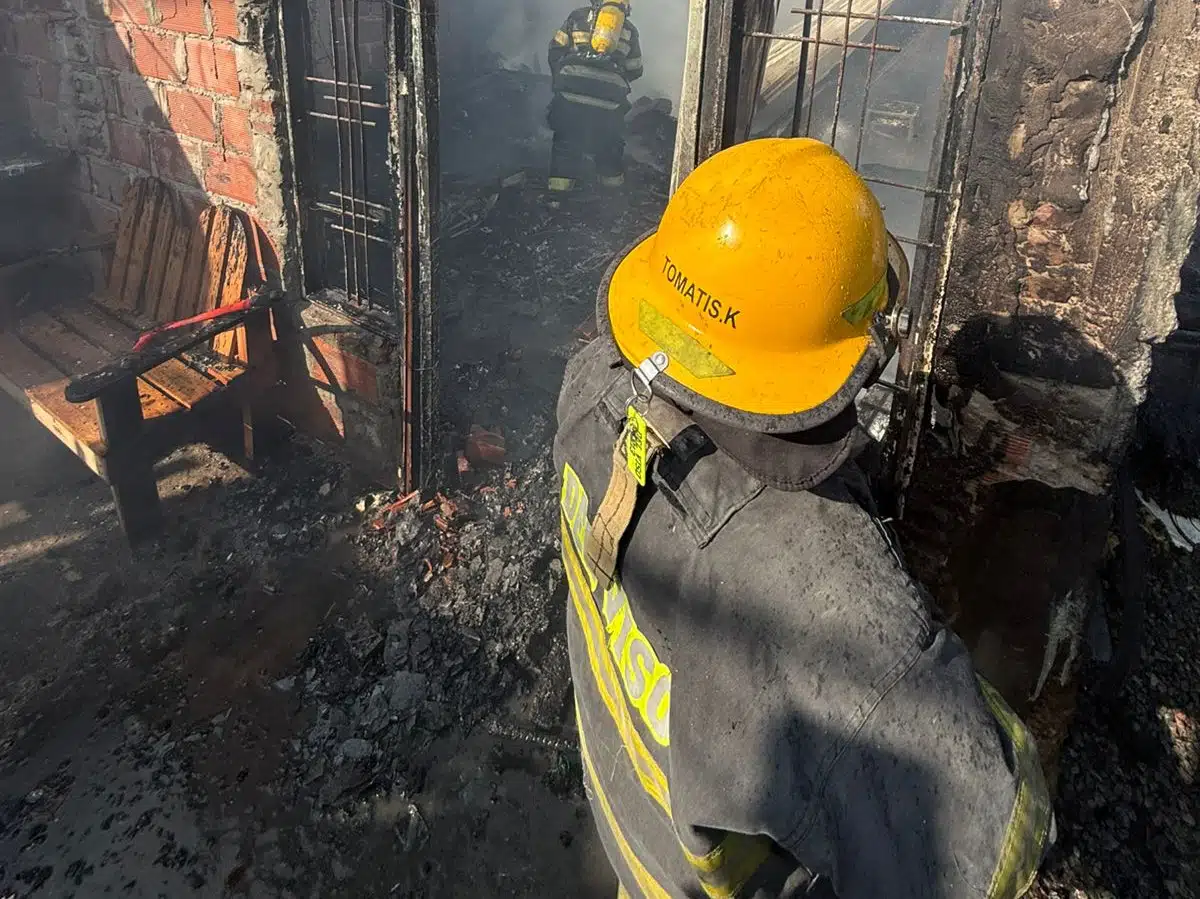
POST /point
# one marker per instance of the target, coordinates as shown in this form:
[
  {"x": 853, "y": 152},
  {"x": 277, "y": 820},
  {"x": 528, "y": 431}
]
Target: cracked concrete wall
[
  {"x": 1080, "y": 199},
  {"x": 1078, "y": 210}
]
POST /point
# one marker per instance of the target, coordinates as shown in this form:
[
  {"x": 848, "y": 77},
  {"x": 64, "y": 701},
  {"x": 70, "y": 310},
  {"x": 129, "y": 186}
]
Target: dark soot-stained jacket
[
  {"x": 585, "y": 78},
  {"x": 765, "y": 704}
]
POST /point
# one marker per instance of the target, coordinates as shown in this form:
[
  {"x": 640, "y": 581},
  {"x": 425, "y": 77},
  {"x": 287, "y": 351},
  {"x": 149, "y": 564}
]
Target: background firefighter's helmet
[{"x": 762, "y": 284}]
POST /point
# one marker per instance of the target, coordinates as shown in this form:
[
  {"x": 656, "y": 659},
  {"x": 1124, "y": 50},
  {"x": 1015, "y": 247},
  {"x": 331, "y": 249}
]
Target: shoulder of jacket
[
  {"x": 836, "y": 545},
  {"x": 588, "y": 375}
]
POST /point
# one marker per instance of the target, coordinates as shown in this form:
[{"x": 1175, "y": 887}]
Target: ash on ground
[
  {"x": 519, "y": 278},
  {"x": 1129, "y": 796},
  {"x": 308, "y": 689}
]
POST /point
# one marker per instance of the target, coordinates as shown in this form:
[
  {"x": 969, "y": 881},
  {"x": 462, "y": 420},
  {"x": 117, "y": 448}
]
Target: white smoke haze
[{"x": 519, "y": 34}]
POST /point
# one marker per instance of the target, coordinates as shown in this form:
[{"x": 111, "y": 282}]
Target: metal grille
[
  {"x": 889, "y": 84},
  {"x": 871, "y": 78},
  {"x": 350, "y": 203}
]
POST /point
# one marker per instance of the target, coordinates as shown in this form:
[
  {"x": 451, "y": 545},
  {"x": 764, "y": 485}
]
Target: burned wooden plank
[
  {"x": 130, "y": 470},
  {"x": 259, "y": 423},
  {"x": 131, "y": 205},
  {"x": 181, "y": 382},
  {"x": 23, "y": 369},
  {"x": 420, "y": 334},
  {"x": 76, "y": 426},
  {"x": 139, "y": 252},
  {"x": 219, "y": 240},
  {"x": 38, "y": 386},
  {"x": 160, "y": 257},
  {"x": 73, "y": 354},
  {"x": 177, "y": 263},
  {"x": 232, "y": 342},
  {"x": 65, "y": 349},
  {"x": 96, "y": 327},
  {"x": 193, "y": 286}
]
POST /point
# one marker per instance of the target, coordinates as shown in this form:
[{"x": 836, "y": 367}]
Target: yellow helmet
[{"x": 762, "y": 285}]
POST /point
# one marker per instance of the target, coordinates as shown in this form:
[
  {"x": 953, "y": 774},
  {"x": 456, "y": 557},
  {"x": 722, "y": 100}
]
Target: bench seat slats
[
  {"x": 38, "y": 386},
  {"x": 174, "y": 378}
]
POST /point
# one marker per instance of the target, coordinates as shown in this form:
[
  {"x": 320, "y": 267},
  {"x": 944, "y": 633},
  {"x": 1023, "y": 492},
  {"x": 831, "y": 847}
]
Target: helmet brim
[{"x": 770, "y": 393}]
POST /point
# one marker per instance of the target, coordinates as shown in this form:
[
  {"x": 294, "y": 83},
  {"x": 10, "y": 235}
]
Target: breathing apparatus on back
[{"x": 610, "y": 22}]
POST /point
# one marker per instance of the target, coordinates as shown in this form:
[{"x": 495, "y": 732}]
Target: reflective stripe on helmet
[{"x": 679, "y": 345}]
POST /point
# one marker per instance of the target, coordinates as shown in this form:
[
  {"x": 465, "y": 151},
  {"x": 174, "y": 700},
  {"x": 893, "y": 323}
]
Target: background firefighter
[
  {"x": 766, "y": 705},
  {"x": 594, "y": 57}
]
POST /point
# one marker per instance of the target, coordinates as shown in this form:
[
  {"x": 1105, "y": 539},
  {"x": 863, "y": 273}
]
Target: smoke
[{"x": 517, "y": 34}]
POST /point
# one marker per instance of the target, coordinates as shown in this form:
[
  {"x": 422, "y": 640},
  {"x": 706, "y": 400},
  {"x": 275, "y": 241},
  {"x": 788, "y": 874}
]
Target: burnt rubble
[{"x": 471, "y": 636}]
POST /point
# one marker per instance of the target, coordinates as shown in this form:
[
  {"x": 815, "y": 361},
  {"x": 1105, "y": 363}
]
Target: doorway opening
[{"x": 519, "y": 267}]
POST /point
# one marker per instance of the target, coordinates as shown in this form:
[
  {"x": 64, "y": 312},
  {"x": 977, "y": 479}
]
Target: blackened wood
[{"x": 130, "y": 472}]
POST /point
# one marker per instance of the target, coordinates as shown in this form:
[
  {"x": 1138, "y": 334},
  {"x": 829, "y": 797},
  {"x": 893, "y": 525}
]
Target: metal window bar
[
  {"x": 349, "y": 103},
  {"x": 342, "y": 119},
  {"x": 348, "y": 213},
  {"x": 363, "y": 234},
  {"x": 366, "y": 104},
  {"x": 803, "y": 39},
  {"x": 885, "y": 17},
  {"x": 812, "y": 73},
  {"x": 335, "y": 83},
  {"x": 351, "y": 282},
  {"x": 801, "y": 50},
  {"x": 341, "y": 196}
]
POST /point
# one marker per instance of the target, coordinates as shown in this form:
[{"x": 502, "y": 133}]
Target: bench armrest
[{"x": 87, "y": 387}]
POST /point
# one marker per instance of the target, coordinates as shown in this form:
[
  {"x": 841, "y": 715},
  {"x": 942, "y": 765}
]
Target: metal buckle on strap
[{"x": 641, "y": 379}]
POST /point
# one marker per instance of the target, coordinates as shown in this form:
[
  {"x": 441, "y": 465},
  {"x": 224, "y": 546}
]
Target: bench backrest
[{"x": 169, "y": 266}]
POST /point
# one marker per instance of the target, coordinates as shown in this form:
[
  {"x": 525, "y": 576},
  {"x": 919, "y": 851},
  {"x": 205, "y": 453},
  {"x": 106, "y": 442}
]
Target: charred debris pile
[
  {"x": 458, "y": 626},
  {"x": 463, "y": 629}
]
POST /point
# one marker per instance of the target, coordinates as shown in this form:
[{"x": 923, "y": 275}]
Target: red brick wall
[
  {"x": 177, "y": 89},
  {"x": 139, "y": 87}
]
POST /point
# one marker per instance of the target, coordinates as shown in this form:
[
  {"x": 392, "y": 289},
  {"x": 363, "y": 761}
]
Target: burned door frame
[
  {"x": 408, "y": 325},
  {"x": 723, "y": 71}
]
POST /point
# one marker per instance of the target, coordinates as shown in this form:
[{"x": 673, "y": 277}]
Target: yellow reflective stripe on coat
[
  {"x": 561, "y": 38},
  {"x": 580, "y": 37},
  {"x": 578, "y": 70},
  {"x": 724, "y": 871},
  {"x": 1029, "y": 823},
  {"x": 648, "y": 771},
  {"x": 645, "y": 880},
  {"x": 589, "y": 101}
]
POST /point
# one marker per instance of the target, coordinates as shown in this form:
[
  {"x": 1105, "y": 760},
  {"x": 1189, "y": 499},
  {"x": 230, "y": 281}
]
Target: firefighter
[
  {"x": 594, "y": 57},
  {"x": 766, "y": 706}
]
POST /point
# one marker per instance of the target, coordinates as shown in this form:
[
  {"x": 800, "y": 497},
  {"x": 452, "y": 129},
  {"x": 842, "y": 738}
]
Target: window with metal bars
[
  {"x": 893, "y": 85},
  {"x": 870, "y": 78},
  {"x": 340, "y": 53}
]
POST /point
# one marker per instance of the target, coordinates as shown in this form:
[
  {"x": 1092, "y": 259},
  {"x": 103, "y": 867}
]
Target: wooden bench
[{"x": 74, "y": 366}]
